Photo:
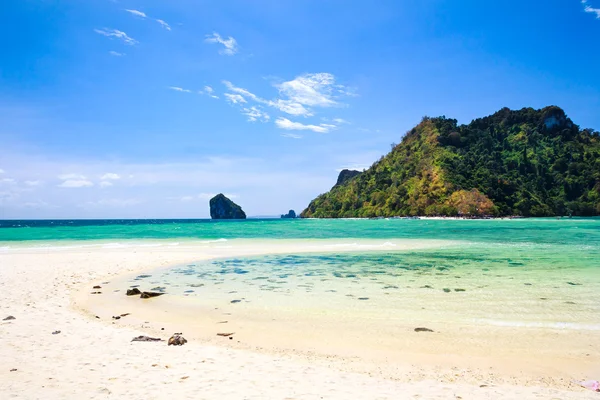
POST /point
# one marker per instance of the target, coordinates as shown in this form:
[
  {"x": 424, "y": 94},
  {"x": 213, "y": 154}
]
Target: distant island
[
  {"x": 290, "y": 214},
  {"x": 223, "y": 208},
  {"x": 529, "y": 163}
]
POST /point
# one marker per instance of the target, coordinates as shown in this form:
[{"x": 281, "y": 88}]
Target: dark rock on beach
[
  {"x": 223, "y": 208},
  {"x": 145, "y": 339},
  {"x": 10, "y": 317},
  {"x": 177, "y": 340},
  {"x": 147, "y": 295},
  {"x": 423, "y": 330},
  {"x": 133, "y": 292}
]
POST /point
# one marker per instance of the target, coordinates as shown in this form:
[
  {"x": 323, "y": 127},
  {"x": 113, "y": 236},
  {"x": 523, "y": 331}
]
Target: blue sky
[{"x": 131, "y": 108}]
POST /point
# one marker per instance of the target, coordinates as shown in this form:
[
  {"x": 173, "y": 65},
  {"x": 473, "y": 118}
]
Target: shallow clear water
[{"x": 530, "y": 272}]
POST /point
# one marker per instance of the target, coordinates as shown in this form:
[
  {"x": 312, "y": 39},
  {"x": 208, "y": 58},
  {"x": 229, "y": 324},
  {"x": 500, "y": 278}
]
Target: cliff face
[
  {"x": 345, "y": 175},
  {"x": 526, "y": 162},
  {"x": 223, "y": 208}
]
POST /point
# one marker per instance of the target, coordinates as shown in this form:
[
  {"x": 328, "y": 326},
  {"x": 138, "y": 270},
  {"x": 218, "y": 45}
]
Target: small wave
[
  {"x": 551, "y": 325},
  {"x": 214, "y": 241}
]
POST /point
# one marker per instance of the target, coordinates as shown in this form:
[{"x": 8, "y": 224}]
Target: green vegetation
[{"x": 527, "y": 162}]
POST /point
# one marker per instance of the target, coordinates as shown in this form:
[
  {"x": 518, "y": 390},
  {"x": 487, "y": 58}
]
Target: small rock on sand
[
  {"x": 225, "y": 334},
  {"x": 177, "y": 340},
  {"x": 97, "y": 287},
  {"x": 423, "y": 330},
  {"x": 133, "y": 292},
  {"x": 145, "y": 339},
  {"x": 10, "y": 317},
  {"x": 55, "y": 332}
]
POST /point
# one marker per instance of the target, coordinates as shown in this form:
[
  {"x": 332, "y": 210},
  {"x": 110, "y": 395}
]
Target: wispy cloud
[
  {"x": 292, "y": 135},
  {"x": 230, "y": 44},
  {"x": 589, "y": 9},
  {"x": 115, "y": 33},
  {"x": 340, "y": 121},
  {"x": 137, "y": 13},
  {"x": 285, "y": 123},
  {"x": 110, "y": 176},
  {"x": 179, "y": 89},
  {"x": 298, "y": 97},
  {"x": 235, "y": 98},
  {"x": 72, "y": 180},
  {"x": 1, "y": 171},
  {"x": 72, "y": 183},
  {"x": 33, "y": 183},
  {"x": 143, "y": 15},
  {"x": 116, "y": 53},
  {"x": 163, "y": 24},
  {"x": 209, "y": 91},
  {"x": 105, "y": 184},
  {"x": 255, "y": 114}
]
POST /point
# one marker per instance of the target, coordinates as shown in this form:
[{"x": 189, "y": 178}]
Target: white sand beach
[{"x": 49, "y": 290}]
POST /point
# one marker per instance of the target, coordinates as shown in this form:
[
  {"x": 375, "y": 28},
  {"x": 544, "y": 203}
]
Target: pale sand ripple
[{"x": 95, "y": 359}]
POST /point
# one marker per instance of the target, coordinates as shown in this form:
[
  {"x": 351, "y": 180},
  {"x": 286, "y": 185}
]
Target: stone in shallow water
[
  {"x": 133, "y": 292},
  {"x": 460, "y": 290},
  {"x": 147, "y": 295},
  {"x": 447, "y": 290}
]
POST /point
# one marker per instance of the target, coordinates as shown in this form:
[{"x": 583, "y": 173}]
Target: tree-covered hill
[{"x": 526, "y": 162}]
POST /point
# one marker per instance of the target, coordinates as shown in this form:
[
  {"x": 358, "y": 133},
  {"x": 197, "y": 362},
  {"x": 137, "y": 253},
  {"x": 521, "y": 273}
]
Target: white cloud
[
  {"x": 116, "y": 53},
  {"x": 208, "y": 89},
  {"x": 292, "y": 135},
  {"x": 285, "y": 123},
  {"x": 299, "y": 95},
  {"x": 105, "y": 184},
  {"x": 72, "y": 183},
  {"x": 254, "y": 114},
  {"x": 589, "y": 9},
  {"x": 64, "y": 177},
  {"x": 40, "y": 204},
  {"x": 340, "y": 121},
  {"x": 9, "y": 181},
  {"x": 164, "y": 24},
  {"x": 235, "y": 98},
  {"x": 116, "y": 34},
  {"x": 243, "y": 92},
  {"x": 137, "y": 13},
  {"x": 110, "y": 176},
  {"x": 33, "y": 183},
  {"x": 178, "y": 89},
  {"x": 231, "y": 46},
  {"x": 1, "y": 171}
]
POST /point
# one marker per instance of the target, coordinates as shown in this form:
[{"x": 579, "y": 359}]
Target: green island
[{"x": 530, "y": 163}]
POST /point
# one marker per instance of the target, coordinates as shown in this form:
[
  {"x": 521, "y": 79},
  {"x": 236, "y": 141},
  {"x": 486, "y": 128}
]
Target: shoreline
[{"x": 74, "y": 272}]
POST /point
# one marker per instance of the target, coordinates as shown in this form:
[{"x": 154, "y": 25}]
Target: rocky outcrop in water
[
  {"x": 290, "y": 214},
  {"x": 223, "y": 208}
]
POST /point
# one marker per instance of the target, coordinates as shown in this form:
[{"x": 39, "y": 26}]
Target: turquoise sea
[{"x": 519, "y": 272}]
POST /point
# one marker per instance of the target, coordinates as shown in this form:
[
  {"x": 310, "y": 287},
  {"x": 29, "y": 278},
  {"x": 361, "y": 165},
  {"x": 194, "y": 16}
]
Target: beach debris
[
  {"x": 235, "y": 301},
  {"x": 143, "y": 276},
  {"x": 97, "y": 287},
  {"x": 55, "y": 332},
  {"x": 97, "y": 317},
  {"x": 363, "y": 298},
  {"x": 177, "y": 340},
  {"x": 10, "y": 317},
  {"x": 184, "y": 377},
  {"x": 133, "y": 292},
  {"x": 117, "y": 317},
  {"x": 13, "y": 370},
  {"x": 423, "y": 330},
  {"x": 222, "y": 322},
  {"x": 225, "y": 334},
  {"x": 460, "y": 290},
  {"x": 146, "y": 339},
  {"x": 125, "y": 314},
  {"x": 147, "y": 295},
  {"x": 447, "y": 290},
  {"x": 96, "y": 293},
  {"x": 592, "y": 385},
  {"x": 574, "y": 284}
]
